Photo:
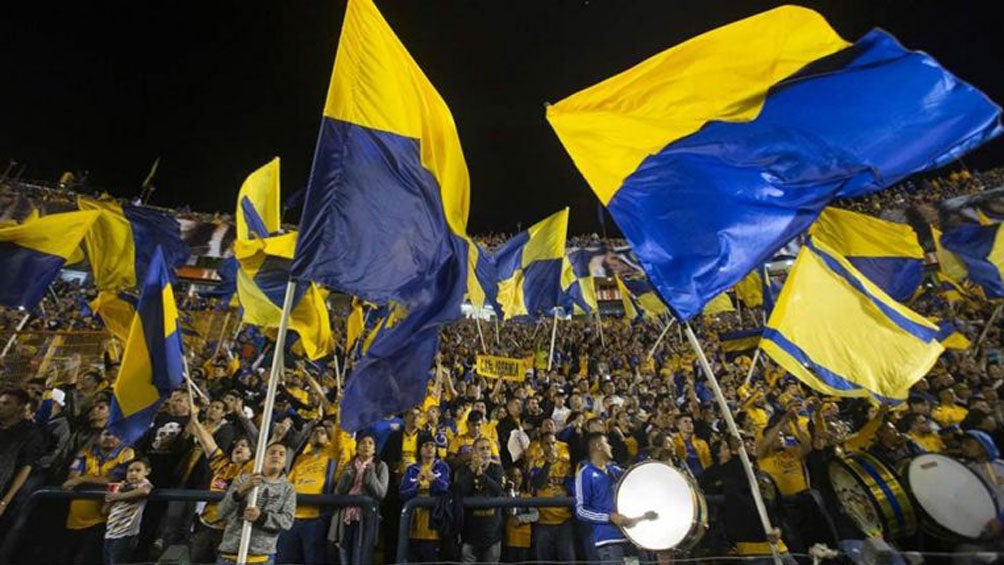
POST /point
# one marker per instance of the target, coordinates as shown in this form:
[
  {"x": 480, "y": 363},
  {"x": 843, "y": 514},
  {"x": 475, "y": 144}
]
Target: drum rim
[
  {"x": 932, "y": 526},
  {"x": 695, "y": 523},
  {"x": 892, "y": 526}
]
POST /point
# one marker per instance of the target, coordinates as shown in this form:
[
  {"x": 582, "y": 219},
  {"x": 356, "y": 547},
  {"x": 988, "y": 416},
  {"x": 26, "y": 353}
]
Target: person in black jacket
[
  {"x": 482, "y": 534},
  {"x": 514, "y": 413},
  {"x": 399, "y": 452}
]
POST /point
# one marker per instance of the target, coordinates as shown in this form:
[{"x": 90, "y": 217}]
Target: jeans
[
  {"x": 423, "y": 551},
  {"x": 120, "y": 550},
  {"x": 475, "y": 554},
  {"x": 351, "y": 546},
  {"x": 611, "y": 554},
  {"x": 554, "y": 542},
  {"x": 303, "y": 543},
  {"x": 204, "y": 544},
  {"x": 86, "y": 546}
]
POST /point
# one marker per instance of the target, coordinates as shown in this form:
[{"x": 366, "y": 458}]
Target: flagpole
[
  {"x": 266, "y": 417},
  {"x": 599, "y": 326},
  {"x": 554, "y": 334},
  {"x": 669, "y": 324},
  {"x": 192, "y": 387},
  {"x": 13, "y": 337},
  {"x": 240, "y": 326},
  {"x": 756, "y": 354},
  {"x": 990, "y": 322},
  {"x": 338, "y": 372},
  {"x": 497, "y": 339},
  {"x": 481, "y": 335},
  {"x": 223, "y": 330},
  {"x": 734, "y": 431}
]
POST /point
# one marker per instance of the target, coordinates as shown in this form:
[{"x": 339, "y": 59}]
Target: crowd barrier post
[
  {"x": 266, "y": 422},
  {"x": 734, "y": 431}
]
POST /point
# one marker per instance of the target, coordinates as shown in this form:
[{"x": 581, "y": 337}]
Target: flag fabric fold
[
  {"x": 153, "y": 359},
  {"x": 886, "y": 252},
  {"x": 385, "y": 212},
  {"x": 32, "y": 253},
  {"x": 713, "y": 154}
]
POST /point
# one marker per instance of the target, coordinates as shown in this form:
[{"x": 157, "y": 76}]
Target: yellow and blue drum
[{"x": 872, "y": 496}]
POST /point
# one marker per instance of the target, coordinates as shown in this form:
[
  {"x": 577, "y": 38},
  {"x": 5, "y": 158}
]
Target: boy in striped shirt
[{"x": 125, "y": 503}]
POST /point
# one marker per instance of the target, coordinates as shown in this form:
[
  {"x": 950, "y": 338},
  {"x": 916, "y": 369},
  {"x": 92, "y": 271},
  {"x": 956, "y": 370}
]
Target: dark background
[{"x": 217, "y": 88}]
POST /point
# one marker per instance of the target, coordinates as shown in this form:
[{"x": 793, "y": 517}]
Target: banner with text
[{"x": 506, "y": 367}]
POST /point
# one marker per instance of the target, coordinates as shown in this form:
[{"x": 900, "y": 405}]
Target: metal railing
[{"x": 370, "y": 506}]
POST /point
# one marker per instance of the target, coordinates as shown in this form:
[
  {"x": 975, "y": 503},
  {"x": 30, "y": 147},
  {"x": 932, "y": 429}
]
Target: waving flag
[
  {"x": 32, "y": 253},
  {"x": 530, "y": 268},
  {"x": 841, "y": 334},
  {"x": 117, "y": 310},
  {"x": 152, "y": 361},
  {"x": 646, "y": 298},
  {"x": 887, "y": 253},
  {"x": 264, "y": 256},
  {"x": 981, "y": 250},
  {"x": 712, "y": 154},
  {"x": 385, "y": 213},
  {"x": 122, "y": 241},
  {"x": 579, "y": 293}
]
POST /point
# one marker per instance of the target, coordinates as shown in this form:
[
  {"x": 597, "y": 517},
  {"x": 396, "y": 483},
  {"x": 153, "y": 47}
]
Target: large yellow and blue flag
[
  {"x": 264, "y": 256},
  {"x": 385, "y": 213},
  {"x": 530, "y": 268},
  {"x": 981, "y": 251},
  {"x": 715, "y": 153},
  {"x": 122, "y": 241},
  {"x": 631, "y": 311},
  {"x": 949, "y": 264},
  {"x": 888, "y": 253},
  {"x": 153, "y": 359},
  {"x": 32, "y": 253},
  {"x": 841, "y": 334}
]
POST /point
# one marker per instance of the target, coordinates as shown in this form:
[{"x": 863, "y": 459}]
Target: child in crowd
[
  {"x": 124, "y": 505},
  {"x": 518, "y": 528}
]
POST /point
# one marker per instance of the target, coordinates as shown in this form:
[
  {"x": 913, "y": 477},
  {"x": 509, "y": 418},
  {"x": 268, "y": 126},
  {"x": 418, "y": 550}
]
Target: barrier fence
[
  {"x": 370, "y": 507},
  {"x": 37, "y": 353}
]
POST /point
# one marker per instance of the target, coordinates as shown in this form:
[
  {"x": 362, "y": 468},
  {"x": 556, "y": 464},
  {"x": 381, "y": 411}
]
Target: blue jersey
[{"x": 594, "y": 501}]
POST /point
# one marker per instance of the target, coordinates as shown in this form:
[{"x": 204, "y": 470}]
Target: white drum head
[
  {"x": 951, "y": 495},
  {"x": 655, "y": 486}
]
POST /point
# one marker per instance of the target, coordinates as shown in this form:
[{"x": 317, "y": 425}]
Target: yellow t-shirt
[
  {"x": 86, "y": 513},
  {"x": 224, "y": 472},
  {"x": 516, "y": 534},
  {"x": 949, "y": 415},
  {"x": 462, "y": 444},
  {"x": 786, "y": 468},
  {"x": 931, "y": 442},
  {"x": 555, "y": 487},
  {"x": 311, "y": 473}
]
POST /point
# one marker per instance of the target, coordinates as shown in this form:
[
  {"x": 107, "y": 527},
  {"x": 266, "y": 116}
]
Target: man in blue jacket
[{"x": 595, "y": 485}]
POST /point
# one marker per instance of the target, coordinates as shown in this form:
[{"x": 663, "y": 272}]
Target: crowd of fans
[{"x": 606, "y": 399}]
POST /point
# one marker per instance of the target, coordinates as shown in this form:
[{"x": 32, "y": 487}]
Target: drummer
[
  {"x": 891, "y": 447},
  {"x": 984, "y": 458},
  {"x": 595, "y": 487}
]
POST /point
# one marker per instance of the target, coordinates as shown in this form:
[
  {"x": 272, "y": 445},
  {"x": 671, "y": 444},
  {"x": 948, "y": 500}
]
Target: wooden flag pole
[
  {"x": 599, "y": 325},
  {"x": 192, "y": 387},
  {"x": 481, "y": 335},
  {"x": 497, "y": 339},
  {"x": 554, "y": 334},
  {"x": 266, "y": 416},
  {"x": 734, "y": 431},
  {"x": 989, "y": 324},
  {"x": 756, "y": 354},
  {"x": 13, "y": 337},
  {"x": 669, "y": 324}
]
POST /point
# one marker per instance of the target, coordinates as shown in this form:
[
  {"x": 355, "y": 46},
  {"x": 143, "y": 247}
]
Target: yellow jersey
[
  {"x": 313, "y": 472},
  {"x": 92, "y": 463}
]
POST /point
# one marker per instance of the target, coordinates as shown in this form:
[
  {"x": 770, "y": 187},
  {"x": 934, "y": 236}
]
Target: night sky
[{"x": 218, "y": 88}]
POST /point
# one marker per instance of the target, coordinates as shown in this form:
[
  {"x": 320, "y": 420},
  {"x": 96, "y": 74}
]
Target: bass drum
[
  {"x": 871, "y": 495},
  {"x": 955, "y": 503},
  {"x": 681, "y": 512}
]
